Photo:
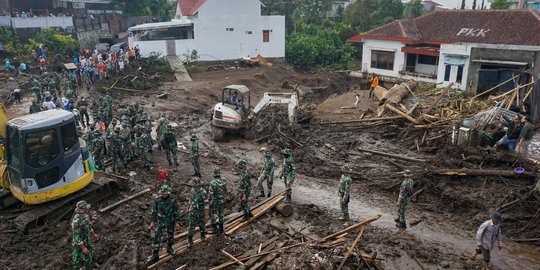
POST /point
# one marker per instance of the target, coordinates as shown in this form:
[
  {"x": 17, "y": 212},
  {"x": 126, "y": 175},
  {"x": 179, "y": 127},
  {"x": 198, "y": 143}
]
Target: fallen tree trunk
[
  {"x": 399, "y": 91},
  {"x": 398, "y": 111},
  {"x": 390, "y": 155},
  {"x": 363, "y": 120},
  {"x": 476, "y": 172}
]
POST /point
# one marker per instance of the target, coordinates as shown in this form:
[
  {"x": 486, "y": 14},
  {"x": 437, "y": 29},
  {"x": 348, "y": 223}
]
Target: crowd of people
[{"x": 518, "y": 133}]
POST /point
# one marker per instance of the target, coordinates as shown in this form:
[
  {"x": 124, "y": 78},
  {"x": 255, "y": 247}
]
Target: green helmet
[
  {"x": 97, "y": 132},
  {"x": 217, "y": 172},
  {"x": 241, "y": 163},
  {"x": 193, "y": 137},
  {"x": 407, "y": 173},
  {"x": 286, "y": 152},
  {"x": 83, "y": 206},
  {"x": 196, "y": 181},
  {"x": 346, "y": 169},
  {"x": 165, "y": 190},
  {"x": 268, "y": 153}
]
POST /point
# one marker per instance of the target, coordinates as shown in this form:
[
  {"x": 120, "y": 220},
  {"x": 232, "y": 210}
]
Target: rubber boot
[
  {"x": 154, "y": 258},
  {"x": 220, "y": 228},
  {"x": 262, "y": 194},
  {"x": 401, "y": 225},
  {"x": 214, "y": 230},
  {"x": 245, "y": 217},
  {"x": 170, "y": 250},
  {"x": 175, "y": 163},
  {"x": 288, "y": 198},
  {"x": 269, "y": 194},
  {"x": 203, "y": 236},
  {"x": 170, "y": 163},
  {"x": 190, "y": 241}
]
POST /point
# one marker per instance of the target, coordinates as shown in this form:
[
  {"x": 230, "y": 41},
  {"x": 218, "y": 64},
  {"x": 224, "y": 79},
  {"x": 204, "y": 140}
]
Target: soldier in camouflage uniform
[
  {"x": 288, "y": 172},
  {"x": 99, "y": 150},
  {"x": 142, "y": 144},
  {"x": 218, "y": 194},
  {"x": 244, "y": 189},
  {"x": 34, "y": 108},
  {"x": 405, "y": 193},
  {"x": 344, "y": 191},
  {"x": 89, "y": 139},
  {"x": 171, "y": 145},
  {"x": 81, "y": 227},
  {"x": 37, "y": 90},
  {"x": 166, "y": 216},
  {"x": 267, "y": 173},
  {"x": 115, "y": 145},
  {"x": 195, "y": 155},
  {"x": 127, "y": 150},
  {"x": 198, "y": 210},
  {"x": 161, "y": 128}
]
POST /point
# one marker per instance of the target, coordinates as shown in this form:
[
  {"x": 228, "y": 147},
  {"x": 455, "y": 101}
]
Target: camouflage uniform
[
  {"x": 171, "y": 145},
  {"x": 142, "y": 144},
  {"x": 288, "y": 172},
  {"x": 115, "y": 145},
  {"x": 166, "y": 215},
  {"x": 82, "y": 229},
  {"x": 161, "y": 129},
  {"x": 405, "y": 193},
  {"x": 89, "y": 139},
  {"x": 218, "y": 193},
  {"x": 99, "y": 150},
  {"x": 127, "y": 150},
  {"x": 34, "y": 108},
  {"x": 344, "y": 192},
  {"x": 198, "y": 205},
  {"x": 244, "y": 189},
  {"x": 195, "y": 155},
  {"x": 37, "y": 90},
  {"x": 267, "y": 173}
]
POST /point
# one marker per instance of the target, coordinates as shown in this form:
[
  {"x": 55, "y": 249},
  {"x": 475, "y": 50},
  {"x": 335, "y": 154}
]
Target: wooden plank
[
  {"x": 233, "y": 258},
  {"x": 398, "y": 111},
  {"x": 495, "y": 87},
  {"x": 352, "y": 227},
  {"x": 389, "y": 155},
  {"x": 351, "y": 249}
]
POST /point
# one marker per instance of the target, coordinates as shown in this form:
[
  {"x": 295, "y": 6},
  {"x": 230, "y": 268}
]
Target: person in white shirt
[
  {"x": 48, "y": 104},
  {"x": 487, "y": 235}
]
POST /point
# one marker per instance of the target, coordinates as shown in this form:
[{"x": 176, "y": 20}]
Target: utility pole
[
  {"x": 474, "y": 4},
  {"x": 462, "y": 4}
]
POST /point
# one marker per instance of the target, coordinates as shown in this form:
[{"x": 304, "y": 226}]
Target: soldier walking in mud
[
  {"x": 405, "y": 193},
  {"x": 171, "y": 145},
  {"x": 198, "y": 210},
  {"x": 288, "y": 172},
  {"x": 142, "y": 144},
  {"x": 218, "y": 194},
  {"x": 115, "y": 144},
  {"x": 81, "y": 227},
  {"x": 244, "y": 189},
  {"x": 161, "y": 128},
  {"x": 99, "y": 150},
  {"x": 195, "y": 155},
  {"x": 344, "y": 191},
  {"x": 267, "y": 173},
  {"x": 165, "y": 216}
]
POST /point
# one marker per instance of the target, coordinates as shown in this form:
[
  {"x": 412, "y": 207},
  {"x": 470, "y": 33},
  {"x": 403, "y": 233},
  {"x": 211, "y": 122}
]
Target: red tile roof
[
  {"x": 513, "y": 27},
  {"x": 190, "y": 7}
]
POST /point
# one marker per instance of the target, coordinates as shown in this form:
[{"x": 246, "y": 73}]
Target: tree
[
  {"x": 413, "y": 9},
  {"x": 500, "y": 4},
  {"x": 161, "y": 9},
  {"x": 54, "y": 41},
  {"x": 359, "y": 14},
  {"x": 462, "y": 4},
  {"x": 387, "y": 11}
]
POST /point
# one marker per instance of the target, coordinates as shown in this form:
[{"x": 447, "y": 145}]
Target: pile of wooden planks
[{"x": 232, "y": 224}]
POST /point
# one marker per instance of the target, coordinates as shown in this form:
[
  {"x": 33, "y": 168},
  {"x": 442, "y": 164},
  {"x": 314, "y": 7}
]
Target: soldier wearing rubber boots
[
  {"x": 288, "y": 172},
  {"x": 165, "y": 216},
  {"x": 99, "y": 150},
  {"x": 218, "y": 193},
  {"x": 198, "y": 211},
  {"x": 405, "y": 193},
  {"x": 267, "y": 172},
  {"x": 344, "y": 191},
  {"x": 244, "y": 189},
  {"x": 171, "y": 145},
  {"x": 195, "y": 155},
  {"x": 81, "y": 227}
]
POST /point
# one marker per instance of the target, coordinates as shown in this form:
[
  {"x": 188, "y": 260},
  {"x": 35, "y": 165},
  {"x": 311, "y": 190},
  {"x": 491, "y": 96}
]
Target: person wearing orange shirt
[{"x": 374, "y": 80}]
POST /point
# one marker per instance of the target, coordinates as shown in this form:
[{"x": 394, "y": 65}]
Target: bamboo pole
[
  {"x": 398, "y": 111},
  {"x": 495, "y": 87},
  {"x": 352, "y": 227},
  {"x": 390, "y": 155},
  {"x": 363, "y": 120},
  {"x": 351, "y": 249},
  {"x": 510, "y": 92},
  {"x": 105, "y": 209},
  {"x": 232, "y": 257}
]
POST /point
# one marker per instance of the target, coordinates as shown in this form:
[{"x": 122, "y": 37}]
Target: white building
[{"x": 216, "y": 29}]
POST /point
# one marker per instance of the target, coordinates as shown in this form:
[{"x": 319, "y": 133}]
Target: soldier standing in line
[
  {"x": 344, "y": 192},
  {"x": 405, "y": 193},
  {"x": 288, "y": 172},
  {"x": 127, "y": 151},
  {"x": 34, "y": 108},
  {"x": 115, "y": 144},
  {"x": 218, "y": 194},
  {"x": 161, "y": 128},
  {"x": 195, "y": 155},
  {"x": 81, "y": 227},
  {"x": 171, "y": 145},
  {"x": 165, "y": 216},
  {"x": 99, "y": 150},
  {"x": 244, "y": 189},
  {"x": 267, "y": 173},
  {"x": 198, "y": 211},
  {"x": 142, "y": 144}
]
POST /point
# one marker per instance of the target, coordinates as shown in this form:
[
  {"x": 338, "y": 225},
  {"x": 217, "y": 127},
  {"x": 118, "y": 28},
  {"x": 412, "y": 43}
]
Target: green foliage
[
  {"x": 359, "y": 15},
  {"x": 54, "y": 41},
  {"x": 318, "y": 47},
  {"x": 11, "y": 45},
  {"x": 161, "y": 9},
  {"x": 387, "y": 11},
  {"x": 159, "y": 63},
  {"x": 413, "y": 9},
  {"x": 500, "y": 4}
]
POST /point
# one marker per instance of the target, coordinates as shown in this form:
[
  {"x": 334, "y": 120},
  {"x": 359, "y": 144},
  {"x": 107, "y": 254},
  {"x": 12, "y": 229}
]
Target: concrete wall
[
  {"x": 214, "y": 42},
  {"x": 42, "y": 22},
  {"x": 455, "y": 52},
  {"x": 88, "y": 39}
]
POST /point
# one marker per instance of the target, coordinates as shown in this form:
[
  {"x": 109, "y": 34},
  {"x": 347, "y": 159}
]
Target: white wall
[
  {"x": 42, "y": 22},
  {"x": 454, "y": 50},
  {"x": 383, "y": 45}
]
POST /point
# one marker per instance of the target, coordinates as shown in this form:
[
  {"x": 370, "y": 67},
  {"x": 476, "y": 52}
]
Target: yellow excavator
[{"x": 42, "y": 158}]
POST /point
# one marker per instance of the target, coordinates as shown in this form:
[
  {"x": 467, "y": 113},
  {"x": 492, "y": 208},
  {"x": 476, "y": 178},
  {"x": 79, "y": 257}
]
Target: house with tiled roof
[
  {"x": 472, "y": 50},
  {"x": 216, "y": 29}
]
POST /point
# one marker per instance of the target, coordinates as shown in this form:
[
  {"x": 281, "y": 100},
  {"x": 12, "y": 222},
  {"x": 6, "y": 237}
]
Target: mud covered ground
[{"x": 446, "y": 212}]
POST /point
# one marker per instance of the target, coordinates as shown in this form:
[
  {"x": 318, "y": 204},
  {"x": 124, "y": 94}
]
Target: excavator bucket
[{"x": 291, "y": 99}]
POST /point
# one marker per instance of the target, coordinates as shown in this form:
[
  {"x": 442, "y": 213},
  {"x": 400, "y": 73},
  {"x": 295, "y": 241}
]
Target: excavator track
[{"x": 38, "y": 215}]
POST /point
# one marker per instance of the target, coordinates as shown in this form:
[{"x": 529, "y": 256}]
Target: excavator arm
[
  {"x": 291, "y": 99},
  {"x": 3, "y": 164}
]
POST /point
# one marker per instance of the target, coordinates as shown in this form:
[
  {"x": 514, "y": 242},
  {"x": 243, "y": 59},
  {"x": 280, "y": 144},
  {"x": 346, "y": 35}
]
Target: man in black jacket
[{"x": 512, "y": 133}]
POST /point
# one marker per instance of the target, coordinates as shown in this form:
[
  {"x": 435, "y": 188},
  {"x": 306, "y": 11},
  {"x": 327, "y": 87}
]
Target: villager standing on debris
[
  {"x": 512, "y": 132},
  {"x": 288, "y": 172},
  {"x": 171, "y": 145},
  {"x": 218, "y": 193},
  {"x": 81, "y": 227},
  {"x": 525, "y": 136},
  {"x": 244, "y": 189},
  {"x": 195, "y": 155},
  {"x": 165, "y": 216},
  {"x": 17, "y": 94},
  {"x": 267, "y": 172},
  {"x": 486, "y": 236},
  {"x": 344, "y": 191},
  {"x": 405, "y": 193},
  {"x": 374, "y": 80},
  {"x": 198, "y": 210}
]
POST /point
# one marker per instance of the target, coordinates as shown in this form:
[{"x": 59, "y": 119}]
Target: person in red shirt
[
  {"x": 102, "y": 69},
  {"x": 42, "y": 64}
]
